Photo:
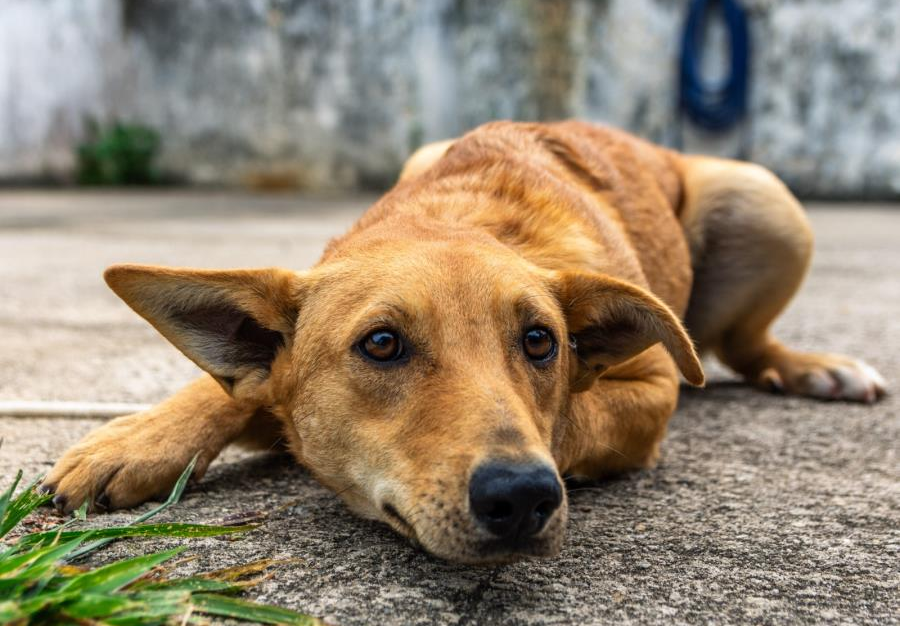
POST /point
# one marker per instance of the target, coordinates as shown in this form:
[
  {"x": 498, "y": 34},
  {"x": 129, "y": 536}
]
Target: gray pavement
[{"x": 764, "y": 509}]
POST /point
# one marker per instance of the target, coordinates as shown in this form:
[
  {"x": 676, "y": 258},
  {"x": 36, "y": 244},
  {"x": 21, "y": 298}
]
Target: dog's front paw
[
  {"x": 120, "y": 465},
  {"x": 823, "y": 376}
]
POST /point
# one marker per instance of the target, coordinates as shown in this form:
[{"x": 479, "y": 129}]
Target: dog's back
[{"x": 568, "y": 196}]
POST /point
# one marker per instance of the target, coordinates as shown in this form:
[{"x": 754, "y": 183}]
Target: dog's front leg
[
  {"x": 139, "y": 457},
  {"x": 618, "y": 424}
]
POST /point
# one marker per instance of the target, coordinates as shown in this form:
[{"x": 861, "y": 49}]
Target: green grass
[
  {"x": 41, "y": 584},
  {"x": 118, "y": 154}
]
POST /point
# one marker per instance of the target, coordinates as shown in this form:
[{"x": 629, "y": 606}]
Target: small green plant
[
  {"x": 39, "y": 584},
  {"x": 118, "y": 154}
]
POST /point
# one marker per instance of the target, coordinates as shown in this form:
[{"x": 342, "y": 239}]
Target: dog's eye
[
  {"x": 382, "y": 345},
  {"x": 539, "y": 344}
]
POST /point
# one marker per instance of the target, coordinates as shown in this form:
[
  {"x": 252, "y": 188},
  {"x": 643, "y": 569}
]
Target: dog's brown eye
[
  {"x": 539, "y": 344},
  {"x": 382, "y": 345}
]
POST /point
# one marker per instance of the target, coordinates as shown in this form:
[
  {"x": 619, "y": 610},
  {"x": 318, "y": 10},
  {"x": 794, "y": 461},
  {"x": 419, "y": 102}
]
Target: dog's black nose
[{"x": 514, "y": 501}]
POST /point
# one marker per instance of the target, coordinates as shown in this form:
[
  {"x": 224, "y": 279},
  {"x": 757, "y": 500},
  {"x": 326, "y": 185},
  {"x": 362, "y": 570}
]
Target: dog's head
[{"x": 426, "y": 381}]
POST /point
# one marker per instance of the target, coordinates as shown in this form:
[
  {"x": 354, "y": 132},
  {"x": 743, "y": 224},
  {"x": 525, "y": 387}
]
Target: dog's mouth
[
  {"x": 546, "y": 544},
  {"x": 399, "y": 522},
  {"x": 480, "y": 551}
]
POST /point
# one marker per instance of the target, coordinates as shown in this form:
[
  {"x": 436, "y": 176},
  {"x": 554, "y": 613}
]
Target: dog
[{"x": 516, "y": 310}]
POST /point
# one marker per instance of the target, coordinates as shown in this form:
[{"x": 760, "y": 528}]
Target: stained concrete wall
[{"x": 328, "y": 93}]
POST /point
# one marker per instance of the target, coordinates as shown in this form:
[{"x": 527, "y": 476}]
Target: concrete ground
[{"x": 764, "y": 508}]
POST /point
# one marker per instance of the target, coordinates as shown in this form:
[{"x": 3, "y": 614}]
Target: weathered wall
[{"x": 329, "y": 93}]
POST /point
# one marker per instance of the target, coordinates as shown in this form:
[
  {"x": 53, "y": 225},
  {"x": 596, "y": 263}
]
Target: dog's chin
[
  {"x": 399, "y": 523},
  {"x": 463, "y": 542},
  {"x": 476, "y": 550},
  {"x": 497, "y": 552}
]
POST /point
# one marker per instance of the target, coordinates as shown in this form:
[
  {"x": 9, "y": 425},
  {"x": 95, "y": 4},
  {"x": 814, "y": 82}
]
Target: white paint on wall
[{"x": 52, "y": 59}]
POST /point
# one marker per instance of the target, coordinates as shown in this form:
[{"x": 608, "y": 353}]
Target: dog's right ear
[
  {"x": 611, "y": 321},
  {"x": 232, "y": 323}
]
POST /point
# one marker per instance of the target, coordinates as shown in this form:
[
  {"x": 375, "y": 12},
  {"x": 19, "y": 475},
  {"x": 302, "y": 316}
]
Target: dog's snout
[{"x": 514, "y": 501}]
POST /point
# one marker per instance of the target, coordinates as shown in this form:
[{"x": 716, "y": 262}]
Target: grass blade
[
  {"x": 144, "y": 530},
  {"x": 38, "y": 556},
  {"x": 11, "y": 613},
  {"x": 247, "y": 570},
  {"x": 37, "y": 587},
  {"x": 173, "y": 498},
  {"x": 15, "y": 509},
  {"x": 193, "y": 585},
  {"x": 223, "y": 606},
  {"x": 94, "y": 605},
  {"x": 44, "y": 602},
  {"x": 161, "y": 608},
  {"x": 118, "y": 574},
  {"x": 6, "y": 497}
]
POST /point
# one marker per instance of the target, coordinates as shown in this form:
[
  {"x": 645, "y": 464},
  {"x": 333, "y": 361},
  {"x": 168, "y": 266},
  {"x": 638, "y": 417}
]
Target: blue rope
[{"x": 716, "y": 107}]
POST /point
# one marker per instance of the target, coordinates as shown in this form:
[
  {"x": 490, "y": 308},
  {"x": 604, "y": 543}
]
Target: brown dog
[{"x": 514, "y": 310}]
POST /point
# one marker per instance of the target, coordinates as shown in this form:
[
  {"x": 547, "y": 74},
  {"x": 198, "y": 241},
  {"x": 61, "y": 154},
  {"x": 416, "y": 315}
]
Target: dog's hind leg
[
  {"x": 139, "y": 457},
  {"x": 750, "y": 249},
  {"x": 424, "y": 158}
]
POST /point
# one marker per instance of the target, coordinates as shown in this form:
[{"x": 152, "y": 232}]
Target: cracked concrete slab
[{"x": 763, "y": 509}]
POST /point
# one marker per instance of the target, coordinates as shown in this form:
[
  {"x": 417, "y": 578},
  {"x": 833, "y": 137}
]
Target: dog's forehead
[
  {"x": 443, "y": 278},
  {"x": 440, "y": 268}
]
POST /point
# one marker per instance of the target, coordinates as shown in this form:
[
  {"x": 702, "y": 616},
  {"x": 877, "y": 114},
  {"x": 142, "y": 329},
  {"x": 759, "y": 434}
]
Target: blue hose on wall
[{"x": 715, "y": 107}]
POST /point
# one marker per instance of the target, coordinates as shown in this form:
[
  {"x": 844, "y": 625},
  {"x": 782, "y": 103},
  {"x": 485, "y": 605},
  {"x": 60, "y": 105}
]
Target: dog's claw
[
  {"x": 102, "y": 503},
  {"x": 770, "y": 380},
  {"x": 60, "y": 501}
]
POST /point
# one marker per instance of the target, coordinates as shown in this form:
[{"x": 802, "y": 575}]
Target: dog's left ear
[
  {"x": 611, "y": 321},
  {"x": 232, "y": 323}
]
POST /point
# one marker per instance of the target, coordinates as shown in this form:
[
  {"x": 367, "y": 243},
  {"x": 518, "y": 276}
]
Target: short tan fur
[{"x": 632, "y": 258}]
